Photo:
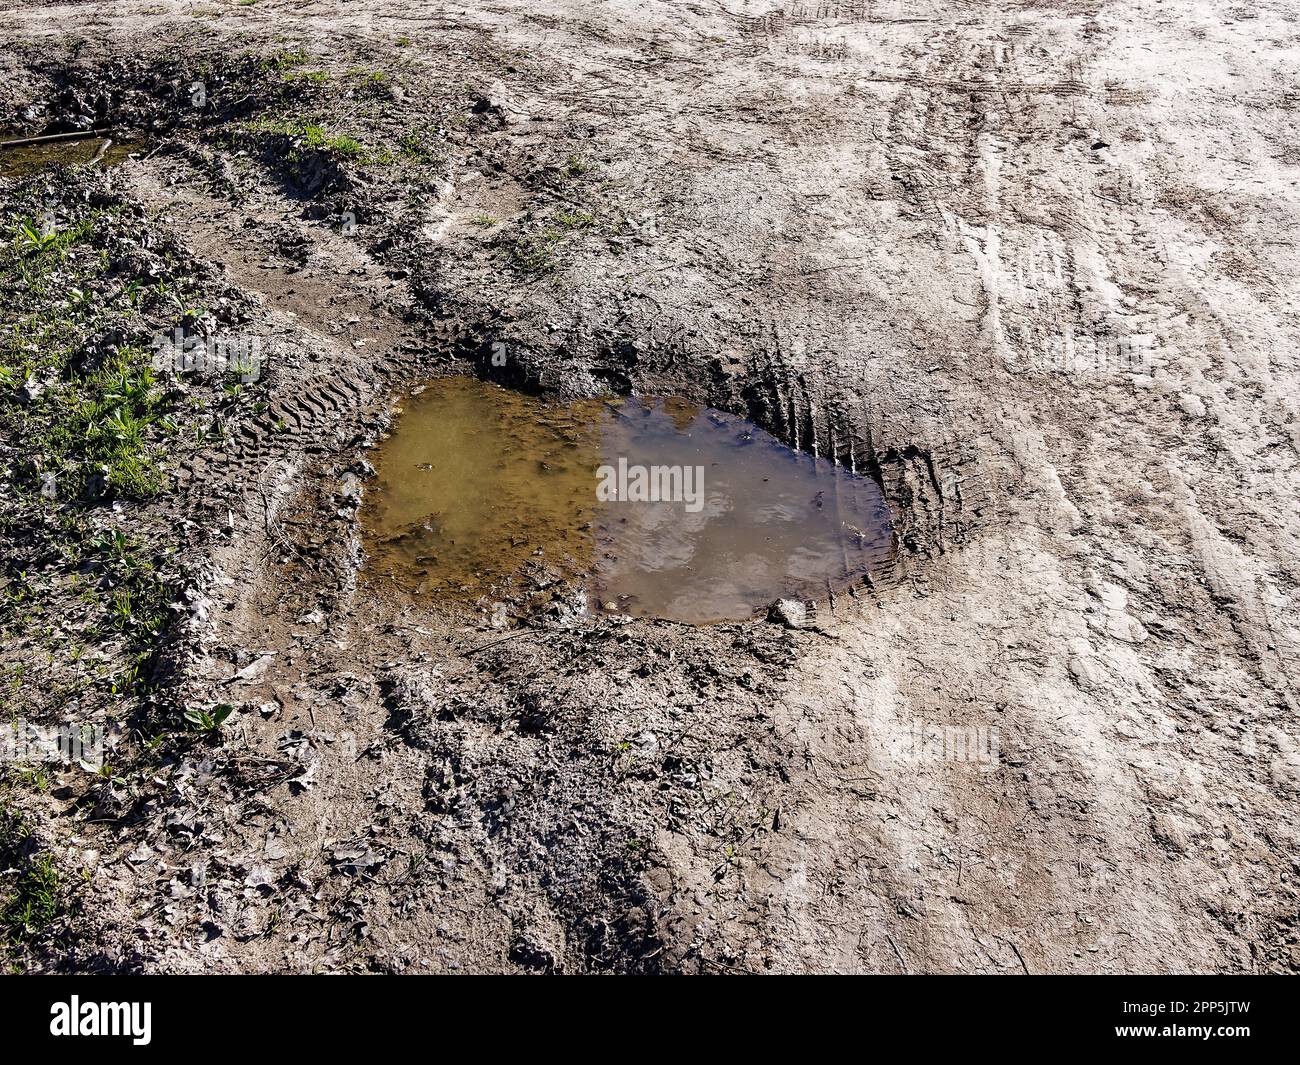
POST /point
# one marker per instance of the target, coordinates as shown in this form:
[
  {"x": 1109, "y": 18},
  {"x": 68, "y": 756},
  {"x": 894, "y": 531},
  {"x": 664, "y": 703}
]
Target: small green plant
[
  {"x": 414, "y": 145},
  {"x": 29, "y": 881},
  {"x": 535, "y": 253},
  {"x": 575, "y": 219},
  {"x": 371, "y": 77},
  {"x": 311, "y": 77},
  {"x": 31, "y": 238},
  {"x": 35, "y": 778},
  {"x": 208, "y": 720},
  {"x": 574, "y": 167},
  {"x": 309, "y": 138},
  {"x": 285, "y": 60},
  {"x": 316, "y": 137},
  {"x": 35, "y": 902}
]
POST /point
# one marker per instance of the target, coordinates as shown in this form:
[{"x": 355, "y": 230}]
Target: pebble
[{"x": 792, "y": 613}]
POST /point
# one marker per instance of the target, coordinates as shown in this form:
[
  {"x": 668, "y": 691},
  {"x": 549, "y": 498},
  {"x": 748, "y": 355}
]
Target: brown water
[
  {"x": 477, "y": 482},
  {"x": 33, "y": 158}
]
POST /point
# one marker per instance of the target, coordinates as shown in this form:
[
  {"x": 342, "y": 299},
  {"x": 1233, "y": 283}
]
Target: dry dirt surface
[{"x": 1031, "y": 264}]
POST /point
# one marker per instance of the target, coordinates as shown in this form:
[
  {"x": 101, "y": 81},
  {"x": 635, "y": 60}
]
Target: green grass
[
  {"x": 92, "y": 421},
  {"x": 95, "y": 425},
  {"x": 30, "y": 885},
  {"x": 35, "y": 900},
  {"x": 285, "y": 59},
  {"x": 115, "y": 588},
  {"x": 419, "y": 146},
  {"x": 105, "y": 422},
  {"x": 574, "y": 219},
  {"x": 374, "y": 79},
  {"x": 536, "y": 252},
  {"x": 317, "y": 137},
  {"x": 574, "y": 167},
  {"x": 310, "y": 77},
  {"x": 139, "y": 595},
  {"x": 312, "y": 134}
]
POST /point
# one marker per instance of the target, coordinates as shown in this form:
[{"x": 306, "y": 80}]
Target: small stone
[
  {"x": 1168, "y": 832},
  {"x": 1086, "y": 672},
  {"x": 350, "y": 489},
  {"x": 792, "y": 613}
]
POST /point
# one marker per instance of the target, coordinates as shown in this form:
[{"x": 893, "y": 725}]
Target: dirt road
[{"x": 1031, "y": 264}]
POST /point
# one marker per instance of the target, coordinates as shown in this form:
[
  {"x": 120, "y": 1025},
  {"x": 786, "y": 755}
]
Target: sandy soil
[{"x": 873, "y": 227}]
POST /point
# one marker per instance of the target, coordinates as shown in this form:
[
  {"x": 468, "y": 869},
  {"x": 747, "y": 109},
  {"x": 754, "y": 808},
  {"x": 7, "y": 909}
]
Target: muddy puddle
[
  {"x": 656, "y": 507},
  {"x": 27, "y": 159}
]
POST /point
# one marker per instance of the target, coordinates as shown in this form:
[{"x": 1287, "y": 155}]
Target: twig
[
  {"x": 79, "y": 135},
  {"x": 898, "y": 953},
  {"x": 101, "y": 151},
  {"x": 485, "y": 646}
]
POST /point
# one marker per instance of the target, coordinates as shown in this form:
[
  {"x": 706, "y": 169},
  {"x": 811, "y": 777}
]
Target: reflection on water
[{"x": 660, "y": 508}]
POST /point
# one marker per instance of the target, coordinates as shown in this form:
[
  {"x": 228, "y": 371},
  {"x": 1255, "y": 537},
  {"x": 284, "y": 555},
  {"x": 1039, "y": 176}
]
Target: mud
[{"x": 1028, "y": 267}]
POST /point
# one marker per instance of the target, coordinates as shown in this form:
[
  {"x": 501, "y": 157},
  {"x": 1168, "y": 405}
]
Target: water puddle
[
  {"x": 27, "y": 159},
  {"x": 656, "y": 506}
]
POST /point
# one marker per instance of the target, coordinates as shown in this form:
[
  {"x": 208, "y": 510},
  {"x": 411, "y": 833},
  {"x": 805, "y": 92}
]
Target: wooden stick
[{"x": 56, "y": 137}]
